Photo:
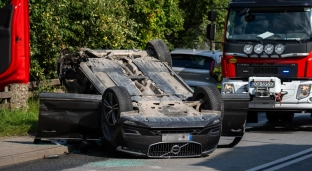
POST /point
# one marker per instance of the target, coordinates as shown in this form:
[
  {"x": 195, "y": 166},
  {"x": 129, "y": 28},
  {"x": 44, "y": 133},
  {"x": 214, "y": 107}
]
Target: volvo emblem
[{"x": 175, "y": 149}]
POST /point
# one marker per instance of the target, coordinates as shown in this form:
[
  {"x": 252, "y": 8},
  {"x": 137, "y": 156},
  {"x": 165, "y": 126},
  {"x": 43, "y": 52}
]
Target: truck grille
[
  {"x": 266, "y": 70},
  {"x": 187, "y": 149}
]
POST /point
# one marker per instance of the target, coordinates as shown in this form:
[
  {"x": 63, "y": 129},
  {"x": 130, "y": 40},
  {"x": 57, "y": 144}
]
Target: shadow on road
[{"x": 301, "y": 122}]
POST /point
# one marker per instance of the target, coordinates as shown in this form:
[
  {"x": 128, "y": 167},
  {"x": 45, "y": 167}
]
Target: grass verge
[{"x": 19, "y": 122}]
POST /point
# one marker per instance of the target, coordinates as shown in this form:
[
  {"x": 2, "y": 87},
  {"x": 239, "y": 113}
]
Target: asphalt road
[{"x": 265, "y": 146}]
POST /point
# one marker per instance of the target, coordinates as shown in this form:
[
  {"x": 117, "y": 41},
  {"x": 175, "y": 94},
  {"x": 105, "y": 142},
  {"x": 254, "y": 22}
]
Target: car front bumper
[{"x": 149, "y": 142}]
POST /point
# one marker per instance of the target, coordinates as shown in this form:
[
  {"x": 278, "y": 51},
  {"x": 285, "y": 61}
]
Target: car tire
[
  {"x": 287, "y": 116},
  {"x": 211, "y": 96},
  {"x": 119, "y": 99},
  {"x": 272, "y": 116},
  {"x": 158, "y": 49}
]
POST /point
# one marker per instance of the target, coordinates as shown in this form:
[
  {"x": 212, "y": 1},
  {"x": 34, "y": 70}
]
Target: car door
[
  {"x": 195, "y": 70},
  {"x": 14, "y": 43}
]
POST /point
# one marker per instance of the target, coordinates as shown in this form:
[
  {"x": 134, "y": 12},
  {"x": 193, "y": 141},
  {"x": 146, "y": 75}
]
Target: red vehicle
[
  {"x": 14, "y": 43},
  {"x": 267, "y": 57}
]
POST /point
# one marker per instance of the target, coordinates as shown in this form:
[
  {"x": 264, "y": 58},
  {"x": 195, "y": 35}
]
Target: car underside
[{"x": 133, "y": 101}]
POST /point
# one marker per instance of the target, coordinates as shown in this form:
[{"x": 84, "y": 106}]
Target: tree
[
  {"x": 156, "y": 19},
  {"x": 196, "y": 20},
  {"x": 75, "y": 24}
]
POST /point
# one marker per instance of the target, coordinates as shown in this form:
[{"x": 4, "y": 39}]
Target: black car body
[{"x": 134, "y": 102}]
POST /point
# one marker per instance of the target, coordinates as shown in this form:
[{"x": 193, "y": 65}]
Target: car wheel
[
  {"x": 114, "y": 101},
  {"x": 158, "y": 49},
  {"x": 287, "y": 116},
  {"x": 212, "y": 98},
  {"x": 272, "y": 116}
]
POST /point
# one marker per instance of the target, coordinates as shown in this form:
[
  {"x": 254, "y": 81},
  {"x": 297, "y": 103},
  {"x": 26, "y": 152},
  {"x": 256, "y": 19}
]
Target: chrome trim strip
[
  {"x": 130, "y": 152},
  {"x": 289, "y": 55},
  {"x": 237, "y": 54}
]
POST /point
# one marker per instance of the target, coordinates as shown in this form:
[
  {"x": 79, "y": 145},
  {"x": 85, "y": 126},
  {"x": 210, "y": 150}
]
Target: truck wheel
[
  {"x": 158, "y": 49},
  {"x": 114, "y": 101},
  {"x": 287, "y": 116},
  {"x": 212, "y": 98},
  {"x": 272, "y": 116}
]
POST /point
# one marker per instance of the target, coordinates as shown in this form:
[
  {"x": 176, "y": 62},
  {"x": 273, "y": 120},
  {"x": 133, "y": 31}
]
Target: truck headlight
[
  {"x": 228, "y": 88},
  {"x": 303, "y": 91}
]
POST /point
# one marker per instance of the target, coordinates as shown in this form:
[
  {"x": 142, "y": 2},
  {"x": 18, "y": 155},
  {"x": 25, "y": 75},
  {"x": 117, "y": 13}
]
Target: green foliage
[
  {"x": 156, "y": 19},
  {"x": 19, "y": 122},
  {"x": 108, "y": 24},
  {"x": 76, "y": 24},
  {"x": 196, "y": 20},
  {"x": 114, "y": 24},
  {"x": 3, "y": 3}
]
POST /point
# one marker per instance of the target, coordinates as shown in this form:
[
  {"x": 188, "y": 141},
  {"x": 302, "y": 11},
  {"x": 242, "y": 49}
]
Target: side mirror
[
  {"x": 212, "y": 16},
  {"x": 211, "y": 31}
]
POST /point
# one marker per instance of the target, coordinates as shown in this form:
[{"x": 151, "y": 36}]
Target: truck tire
[
  {"x": 272, "y": 116},
  {"x": 211, "y": 96},
  {"x": 287, "y": 116},
  {"x": 158, "y": 49},
  {"x": 114, "y": 101}
]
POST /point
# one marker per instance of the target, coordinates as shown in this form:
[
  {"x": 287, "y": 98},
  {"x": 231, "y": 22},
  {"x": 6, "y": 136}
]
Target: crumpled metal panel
[
  {"x": 115, "y": 72},
  {"x": 151, "y": 69}
]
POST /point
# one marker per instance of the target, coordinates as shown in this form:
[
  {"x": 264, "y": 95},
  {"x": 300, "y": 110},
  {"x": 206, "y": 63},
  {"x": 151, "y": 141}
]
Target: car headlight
[
  {"x": 228, "y": 88},
  {"x": 216, "y": 121},
  {"x": 303, "y": 91}
]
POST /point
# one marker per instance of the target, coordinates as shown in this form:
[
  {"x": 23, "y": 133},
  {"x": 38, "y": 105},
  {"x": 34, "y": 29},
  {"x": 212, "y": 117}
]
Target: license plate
[
  {"x": 176, "y": 137},
  {"x": 262, "y": 84}
]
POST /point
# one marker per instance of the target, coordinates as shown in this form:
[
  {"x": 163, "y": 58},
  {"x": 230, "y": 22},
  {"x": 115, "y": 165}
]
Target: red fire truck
[
  {"x": 267, "y": 57},
  {"x": 14, "y": 43}
]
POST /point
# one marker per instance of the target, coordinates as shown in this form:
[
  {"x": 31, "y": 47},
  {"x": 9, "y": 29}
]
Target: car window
[{"x": 191, "y": 61}]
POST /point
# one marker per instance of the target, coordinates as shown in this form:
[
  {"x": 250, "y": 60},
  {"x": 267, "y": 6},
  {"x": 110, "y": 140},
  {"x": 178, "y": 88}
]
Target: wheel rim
[
  {"x": 150, "y": 51},
  {"x": 111, "y": 108}
]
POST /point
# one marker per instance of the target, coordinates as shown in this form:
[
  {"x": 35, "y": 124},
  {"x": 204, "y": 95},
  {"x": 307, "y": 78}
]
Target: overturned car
[{"x": 132, "y": 100}]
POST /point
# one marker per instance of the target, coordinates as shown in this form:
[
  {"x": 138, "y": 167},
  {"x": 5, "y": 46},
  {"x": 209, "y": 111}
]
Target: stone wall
[{"x": 19, "y": 96}]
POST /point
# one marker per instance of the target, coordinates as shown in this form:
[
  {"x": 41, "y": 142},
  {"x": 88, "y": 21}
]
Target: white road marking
[
  {"x": 289, "y": 163},
  {"x": 284, "y": 159}
]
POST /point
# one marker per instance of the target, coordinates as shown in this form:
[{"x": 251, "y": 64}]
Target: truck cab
[
  {"x": 267, "y": 56},
  {"x": 14, "y": 43}
]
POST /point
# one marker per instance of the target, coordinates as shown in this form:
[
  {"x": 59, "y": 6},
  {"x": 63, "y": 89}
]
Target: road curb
[{"x": 33, "y": 155}]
